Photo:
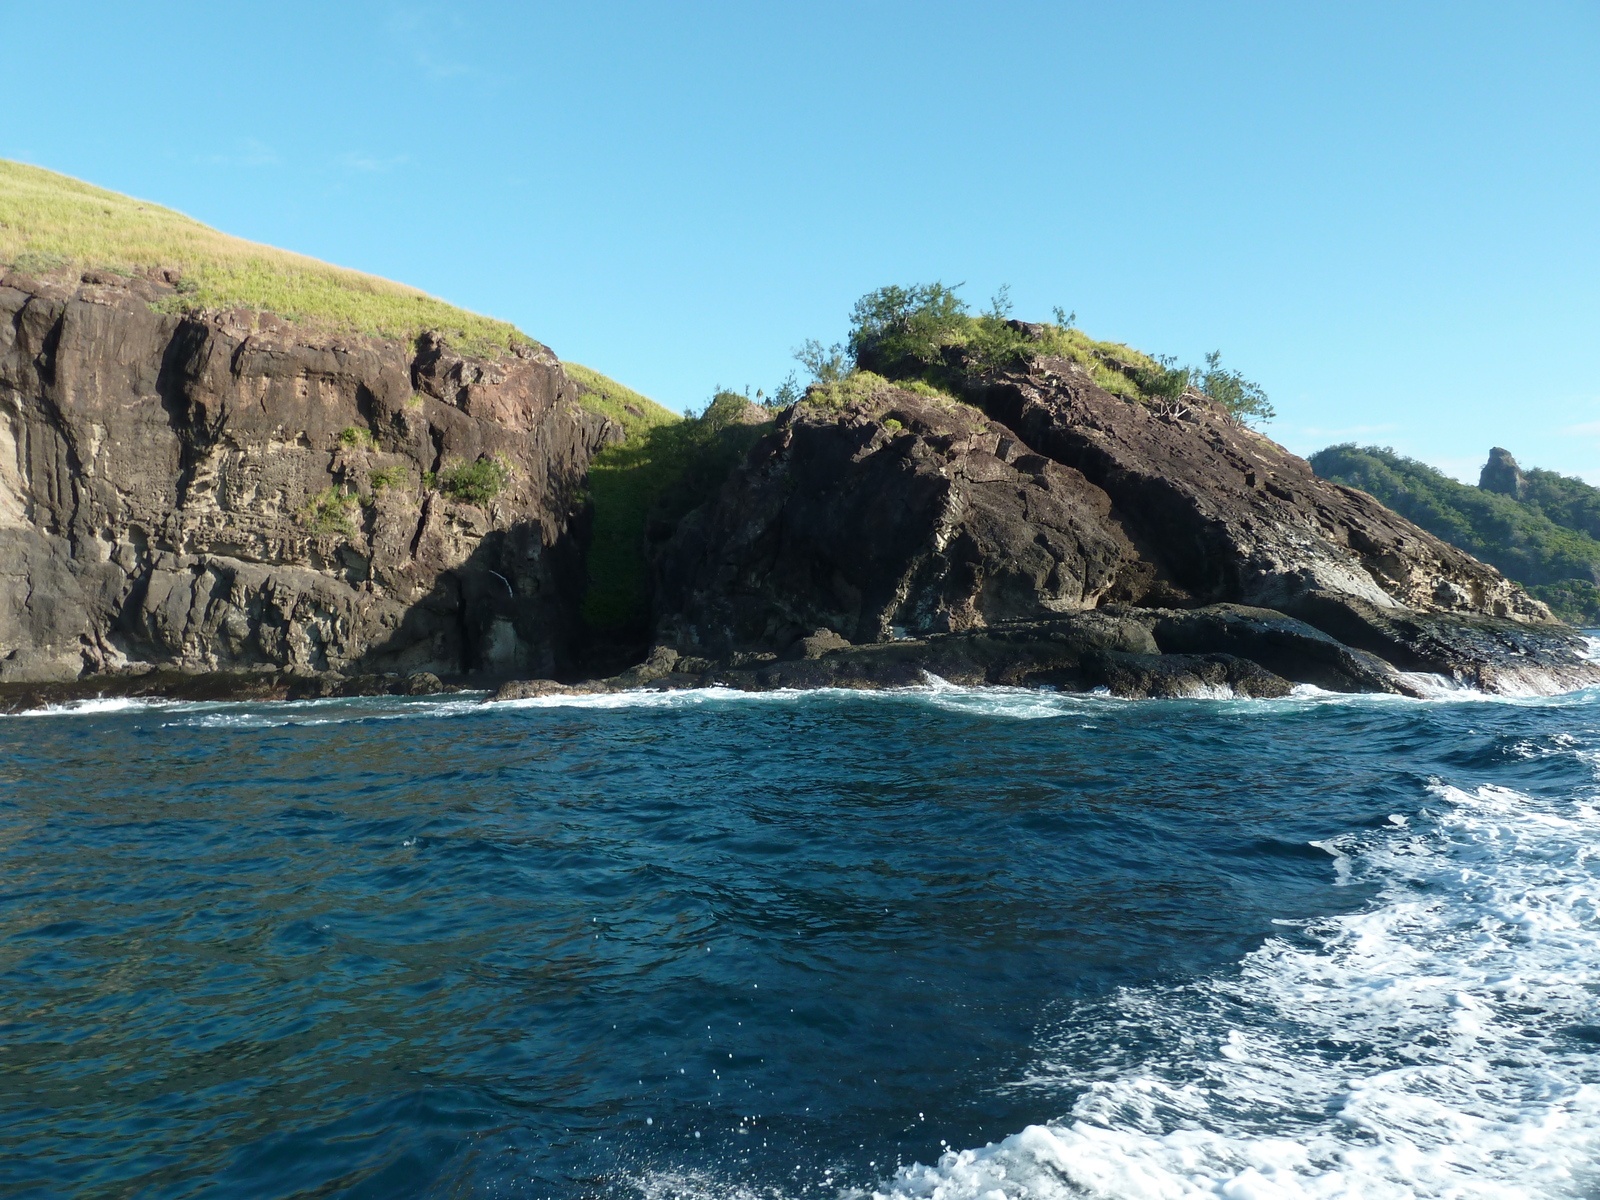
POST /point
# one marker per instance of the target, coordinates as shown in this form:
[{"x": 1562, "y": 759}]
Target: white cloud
[
  {"x": 248, "y": 153},
  {"x": 1587, "y": 429},
  {"x": 420, "y": 32}
]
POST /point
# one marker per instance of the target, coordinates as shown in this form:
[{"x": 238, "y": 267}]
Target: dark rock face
[
  {"x": 996, "y": 540},
  {"x": 222, "y": 505},
  {"x": 902, "y": 518},
  {"x": 226, "y": 493},
  {"x": 1222, "y": 514},
  {"x": 1501, "y": 474}
]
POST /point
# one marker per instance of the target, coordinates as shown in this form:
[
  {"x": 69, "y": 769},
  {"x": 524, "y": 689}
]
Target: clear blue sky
[{"x": 1388, "y": 214}]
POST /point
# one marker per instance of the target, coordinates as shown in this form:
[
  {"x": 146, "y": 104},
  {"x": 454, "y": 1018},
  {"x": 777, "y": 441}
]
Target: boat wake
[{"x": 1441, "y": 1044}]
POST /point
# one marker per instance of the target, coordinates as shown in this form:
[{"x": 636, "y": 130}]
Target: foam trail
[{"x": 1440, "y": 1044}]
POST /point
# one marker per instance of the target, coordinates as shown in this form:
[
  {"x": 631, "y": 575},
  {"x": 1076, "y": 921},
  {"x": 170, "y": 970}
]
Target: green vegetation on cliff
[
  {"x": 50, "y": 222},
  {"x": 926, "y": 334},
  {"x": 1555, "y": 561},
  {"x": 635, "y": 413},
  {"x": 643, "y": 487}
]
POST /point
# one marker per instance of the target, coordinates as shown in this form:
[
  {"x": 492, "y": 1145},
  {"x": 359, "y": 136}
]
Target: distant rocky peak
[{"x": 1501, "y": 474}]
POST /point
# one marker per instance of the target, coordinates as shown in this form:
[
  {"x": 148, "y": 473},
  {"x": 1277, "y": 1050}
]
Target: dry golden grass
[{"x": 49, "y": 221}]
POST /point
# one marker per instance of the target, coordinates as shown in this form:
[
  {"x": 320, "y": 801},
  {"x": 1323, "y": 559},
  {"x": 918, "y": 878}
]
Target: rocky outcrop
[
  {"x": 903, "y": 517},
  {"x": 1222, "y": 513},
  {"x": 225, "y": 492},
  {"x": 226, "y": 498},
  {"x": 982, "y": 540},
  {"x": 1501, "y": 474}
]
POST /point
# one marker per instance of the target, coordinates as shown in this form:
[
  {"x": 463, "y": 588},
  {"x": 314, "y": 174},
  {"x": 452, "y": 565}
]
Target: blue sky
[{"x": 1388, "y": 214}]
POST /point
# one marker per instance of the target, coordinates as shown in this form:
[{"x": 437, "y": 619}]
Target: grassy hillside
[
  {"x": 1558, "y": 564},
  {"x": 49, "y": 221},
  {"x": 635, "y": 413}
]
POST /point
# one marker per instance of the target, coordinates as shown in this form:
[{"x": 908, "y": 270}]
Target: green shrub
[
  {"x": 893, "y": 426},
  {"x": 331, "y": 511},
  {"x": 387, "y": 477},
  {"x": 826, "y": 365},
  {"x": 903, "y": 332},
  {"x": 925, "y": 334},
  {"x": 476, "y": 482},
  {"x": 1245, "y": 401},
  {"x": 357, "y": 438}
]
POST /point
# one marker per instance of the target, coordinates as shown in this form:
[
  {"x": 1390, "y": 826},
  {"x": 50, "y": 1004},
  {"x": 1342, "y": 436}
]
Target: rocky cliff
[
  {"x": 223, "y": 491},
  {"x": 196, "y": 496},
  {"x": 1041, "y": 529}
]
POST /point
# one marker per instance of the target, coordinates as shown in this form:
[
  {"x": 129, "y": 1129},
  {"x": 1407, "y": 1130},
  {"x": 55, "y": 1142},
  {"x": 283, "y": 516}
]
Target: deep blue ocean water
[{"x": 938, "y": 943}]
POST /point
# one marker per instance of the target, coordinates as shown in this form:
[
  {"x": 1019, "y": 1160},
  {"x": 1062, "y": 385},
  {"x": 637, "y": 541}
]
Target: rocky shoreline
[
  {"x": 1216, "y": 651},
  {"x": 1220, "y": 650}
]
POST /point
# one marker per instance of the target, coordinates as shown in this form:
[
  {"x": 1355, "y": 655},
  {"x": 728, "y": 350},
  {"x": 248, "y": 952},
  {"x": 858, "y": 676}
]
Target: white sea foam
[
  {"x": 97, "y": 706},
  {"x": 1018, "y": 703},
  {"x": 310, "y": 713},
  {"x": 1438, "y": 1044}
]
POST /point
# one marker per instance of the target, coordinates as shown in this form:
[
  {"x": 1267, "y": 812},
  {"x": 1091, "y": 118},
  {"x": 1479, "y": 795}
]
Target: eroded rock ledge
[{"x": 1217, "y": 650}]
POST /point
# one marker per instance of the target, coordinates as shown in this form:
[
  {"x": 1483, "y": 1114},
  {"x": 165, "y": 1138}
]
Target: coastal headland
[{"x": 229, "y": 472}]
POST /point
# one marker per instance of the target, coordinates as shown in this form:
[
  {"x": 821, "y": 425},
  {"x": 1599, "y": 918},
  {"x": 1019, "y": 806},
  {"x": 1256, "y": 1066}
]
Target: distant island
[
  {"x": 231, "y": 471},
  {"x": 1539, "y": 528}
]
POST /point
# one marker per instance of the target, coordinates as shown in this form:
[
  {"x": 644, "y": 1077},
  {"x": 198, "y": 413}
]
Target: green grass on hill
[
  {"x": 635, "y": 413},
  {"x": 1558, "y": 564},
  {"x": 49, "y": 221},
  {"x": 926, "y": 332}
]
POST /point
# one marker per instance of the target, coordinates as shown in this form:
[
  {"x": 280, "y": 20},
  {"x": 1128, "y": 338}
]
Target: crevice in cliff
[{"x": 173, "y": 381}]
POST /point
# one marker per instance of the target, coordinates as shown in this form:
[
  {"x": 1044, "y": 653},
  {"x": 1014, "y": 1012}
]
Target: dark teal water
[{"x": 936, "y": 943}]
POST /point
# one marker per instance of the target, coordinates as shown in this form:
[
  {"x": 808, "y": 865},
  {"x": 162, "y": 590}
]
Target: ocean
[{"x": 942, "y": 943}]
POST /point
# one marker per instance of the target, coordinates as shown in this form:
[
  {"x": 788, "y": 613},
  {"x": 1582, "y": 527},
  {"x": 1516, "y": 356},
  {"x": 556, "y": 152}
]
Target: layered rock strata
[
  {"x": 227, "y": 493},
  {"x": 989, "y": 539}
]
